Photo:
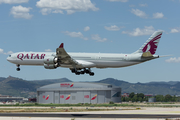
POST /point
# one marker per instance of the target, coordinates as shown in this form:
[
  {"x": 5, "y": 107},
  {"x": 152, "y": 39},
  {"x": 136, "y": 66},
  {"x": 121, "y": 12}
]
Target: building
[
  {"x": 73, "y": 93},
  {"x": 149, "y": 95},
  {"x": 7, "y": 98},
  {"x": 125, "y": 95},
  {"x": 32, "y": 99},
  {"x": 151, "y": 99}
]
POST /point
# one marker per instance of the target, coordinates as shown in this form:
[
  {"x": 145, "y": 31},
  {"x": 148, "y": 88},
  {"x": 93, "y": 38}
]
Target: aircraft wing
[{"x": 64, "y": 57}]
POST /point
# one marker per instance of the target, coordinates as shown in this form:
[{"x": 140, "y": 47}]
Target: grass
[
  {"x": 168, "y": 104},
  {"x": 162, "y": 103},
  {"x": 71, "y": 105},
  {"x": 15, "y": 110}
]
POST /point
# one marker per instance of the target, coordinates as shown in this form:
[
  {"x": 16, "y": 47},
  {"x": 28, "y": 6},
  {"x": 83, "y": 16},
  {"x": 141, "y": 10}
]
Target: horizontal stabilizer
[{"x": 165, "y": 55}]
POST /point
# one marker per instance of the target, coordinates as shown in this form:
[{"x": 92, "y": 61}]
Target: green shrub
[
  {"x": 36, "y": 103},
  {"x": 111, "y": 102},
  {"x": 17, "y": 104}
]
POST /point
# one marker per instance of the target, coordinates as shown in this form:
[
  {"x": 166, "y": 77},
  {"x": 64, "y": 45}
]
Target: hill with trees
[{"x": 18, "y": 87}]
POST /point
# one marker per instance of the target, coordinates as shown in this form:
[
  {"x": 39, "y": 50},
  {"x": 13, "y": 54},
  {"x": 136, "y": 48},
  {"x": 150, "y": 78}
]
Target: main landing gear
[
  {"x": 79, "y": 71},
  {"x": 18, "y": 67}
]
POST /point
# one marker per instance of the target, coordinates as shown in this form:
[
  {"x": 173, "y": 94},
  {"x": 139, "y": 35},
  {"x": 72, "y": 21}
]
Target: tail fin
[{"x": 151, "y": 44}]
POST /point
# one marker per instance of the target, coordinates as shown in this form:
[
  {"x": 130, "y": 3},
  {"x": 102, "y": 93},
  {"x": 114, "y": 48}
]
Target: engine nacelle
[
  {"x": 50, "y": 60},
  {"x": 51, "y": 66}
]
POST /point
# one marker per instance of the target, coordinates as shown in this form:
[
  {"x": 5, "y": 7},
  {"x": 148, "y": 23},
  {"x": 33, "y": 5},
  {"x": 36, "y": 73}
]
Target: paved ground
[
  {"x": 121, "y": 111},
  {"x": 100, "y": 115},
  {"x": 36, "y": 118}
]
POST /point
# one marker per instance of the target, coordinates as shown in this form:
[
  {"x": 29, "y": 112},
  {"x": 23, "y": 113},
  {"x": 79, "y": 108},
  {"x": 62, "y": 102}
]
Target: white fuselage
[
  {"x": 81, "y": 63},
  {"x": 87, "y": 60}
]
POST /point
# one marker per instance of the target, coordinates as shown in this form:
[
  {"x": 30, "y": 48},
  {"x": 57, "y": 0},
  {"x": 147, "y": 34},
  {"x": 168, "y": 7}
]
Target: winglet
[{"x": 62, "y": 45}]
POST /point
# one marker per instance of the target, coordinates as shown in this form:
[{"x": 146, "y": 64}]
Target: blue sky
[{"x": 93, "y": 26}]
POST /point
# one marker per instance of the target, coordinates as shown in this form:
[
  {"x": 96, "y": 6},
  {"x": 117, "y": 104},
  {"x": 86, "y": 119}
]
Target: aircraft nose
[{"x": 9, "y": 58}]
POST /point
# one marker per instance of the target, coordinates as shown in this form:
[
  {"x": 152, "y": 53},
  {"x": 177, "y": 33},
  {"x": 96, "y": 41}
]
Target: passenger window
[{"x": 9, "y": 55}]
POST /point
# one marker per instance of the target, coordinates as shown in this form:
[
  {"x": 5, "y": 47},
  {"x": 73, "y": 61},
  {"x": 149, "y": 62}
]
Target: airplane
[{"x": 81, "y": 63}]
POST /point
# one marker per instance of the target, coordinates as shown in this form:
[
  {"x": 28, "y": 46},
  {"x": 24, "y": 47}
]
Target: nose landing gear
[{"x": 18, "y": 67}]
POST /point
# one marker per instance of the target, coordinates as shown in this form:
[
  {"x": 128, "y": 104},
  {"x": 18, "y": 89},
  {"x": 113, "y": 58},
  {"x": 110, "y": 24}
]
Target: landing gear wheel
[
  {"x": 87, "y": 71},
  {"x": 91, "y": 74},
  {"x": 18, "y": 69},
  {"x": 77, "y": 73},
  {"x": 82, "y": 72},
  {"x": 73, "y": 70}
]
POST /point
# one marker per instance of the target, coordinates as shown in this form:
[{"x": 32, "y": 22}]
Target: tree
[
  {"x": 135, "y": 98},
  {"x": 145, "y": 98},
  {"x": 123, "y": 99},
  {"x": 127, "y": 99},
  {"x": 159, "y": 98},
  {"x": 174, "y": 99},
  {"x": 141, "y": 95},
  {"x": 140, "y": 99},
  {"x": 168, "y": 98},
  {"x": 131, "y": 95}
]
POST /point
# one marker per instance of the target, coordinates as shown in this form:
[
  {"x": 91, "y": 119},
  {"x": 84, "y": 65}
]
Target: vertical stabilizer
[{"x": 151, "y": 44}]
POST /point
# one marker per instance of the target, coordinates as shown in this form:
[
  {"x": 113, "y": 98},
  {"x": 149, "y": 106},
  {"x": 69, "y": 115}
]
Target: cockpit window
[{"x": 9, "y": 55}]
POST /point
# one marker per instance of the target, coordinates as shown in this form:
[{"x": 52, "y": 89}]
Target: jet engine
[
  {"x": 51, "y": 66},
  {"x": 51, "y": 62}
]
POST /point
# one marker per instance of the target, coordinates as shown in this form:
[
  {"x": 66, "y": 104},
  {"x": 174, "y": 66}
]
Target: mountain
[
  {"x": 170, "y": 82},
  {"x": 18, "y": 87},
  {"x": 50, "y": 81},
  {"x": 1, "y": 79},
  {"x": 161, "y": 88}
]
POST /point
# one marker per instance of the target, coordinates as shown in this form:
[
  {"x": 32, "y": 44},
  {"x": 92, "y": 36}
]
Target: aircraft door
[
  {"x": 96, "y": 57},
  {"x": 126, "y": 57}
]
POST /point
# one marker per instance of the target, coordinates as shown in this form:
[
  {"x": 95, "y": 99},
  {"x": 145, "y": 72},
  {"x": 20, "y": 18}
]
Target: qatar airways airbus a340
[{"x": 80, "y": 63}]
